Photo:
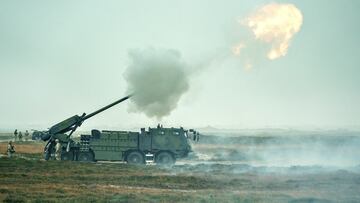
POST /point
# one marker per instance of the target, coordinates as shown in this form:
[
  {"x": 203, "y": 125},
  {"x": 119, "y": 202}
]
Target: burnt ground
[{"x": 217, "y": 172}]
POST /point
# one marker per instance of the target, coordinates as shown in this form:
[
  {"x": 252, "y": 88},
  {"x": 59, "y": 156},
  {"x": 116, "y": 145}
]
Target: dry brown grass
[
  {"x": 25, "y": 179},
  {"x": 23, "y": 147}
]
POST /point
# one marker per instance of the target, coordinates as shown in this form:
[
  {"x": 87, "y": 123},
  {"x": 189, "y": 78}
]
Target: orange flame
[{"x": 275, "y": 24}]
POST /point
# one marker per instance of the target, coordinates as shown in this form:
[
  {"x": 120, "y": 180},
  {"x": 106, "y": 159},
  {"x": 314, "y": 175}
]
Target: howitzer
[{"x": 58, "y": 130}]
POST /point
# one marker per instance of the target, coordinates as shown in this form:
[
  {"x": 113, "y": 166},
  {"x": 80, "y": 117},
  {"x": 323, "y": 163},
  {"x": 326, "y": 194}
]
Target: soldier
[
  {"x": 26, "y": 135},
  {"x": 57, "y": 150},
  {"x": 20, "y": 136},
  {"x": 10, "y": 149},
  {"x": 15, "y": 135}
]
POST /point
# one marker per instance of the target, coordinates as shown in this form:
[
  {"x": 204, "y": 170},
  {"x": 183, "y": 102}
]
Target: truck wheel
[
  {"x": 164, "y": 158},
  {"x": 86, "y": 157},
  {"x": 135, "y": 158},
  {"x": 67, "y": 156}
]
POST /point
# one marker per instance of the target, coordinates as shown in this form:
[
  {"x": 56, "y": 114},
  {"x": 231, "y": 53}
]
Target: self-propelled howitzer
[{"x": 59, "y": 130}]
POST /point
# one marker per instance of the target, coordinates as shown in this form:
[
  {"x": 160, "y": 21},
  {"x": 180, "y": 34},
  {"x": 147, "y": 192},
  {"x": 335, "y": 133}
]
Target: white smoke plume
[
  {"x": 275, "y": 24},
  {"x": 158, "y": 78}
]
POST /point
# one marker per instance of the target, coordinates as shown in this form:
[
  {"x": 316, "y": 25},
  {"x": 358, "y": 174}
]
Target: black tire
[
  {"x": 67, "y": 156},
  {"x": 135, "y": 157},
  {"x": 165, "y": 159},
  {"x": 86, "y": 157}
]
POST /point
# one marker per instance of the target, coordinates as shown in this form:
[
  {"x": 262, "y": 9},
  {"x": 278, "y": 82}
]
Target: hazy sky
[{"x": 60, "y": 58}]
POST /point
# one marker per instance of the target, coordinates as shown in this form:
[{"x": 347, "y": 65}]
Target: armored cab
[{"x": 163, "y": 145}]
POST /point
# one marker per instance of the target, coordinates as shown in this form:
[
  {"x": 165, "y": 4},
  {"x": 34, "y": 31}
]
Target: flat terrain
[{"x": 215, "y": 178}]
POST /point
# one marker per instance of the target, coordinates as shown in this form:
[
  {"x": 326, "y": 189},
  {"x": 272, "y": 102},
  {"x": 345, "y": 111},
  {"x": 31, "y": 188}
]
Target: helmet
[
  {"x": 10, "y": 142},
  {"x": 57, "y": 140}
]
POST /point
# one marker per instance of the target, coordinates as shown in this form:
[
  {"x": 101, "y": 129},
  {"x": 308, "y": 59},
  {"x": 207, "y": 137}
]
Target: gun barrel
[{"x": 106, "y": 107}]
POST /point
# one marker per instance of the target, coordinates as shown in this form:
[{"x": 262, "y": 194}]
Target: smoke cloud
[
  {"x": 275, "y": 24},
  {"x": 328, "y": 149},
  {"x": 158, "y": 78}
]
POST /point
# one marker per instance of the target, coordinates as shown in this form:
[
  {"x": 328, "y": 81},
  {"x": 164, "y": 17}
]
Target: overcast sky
[{"x": 61, "y": 58}]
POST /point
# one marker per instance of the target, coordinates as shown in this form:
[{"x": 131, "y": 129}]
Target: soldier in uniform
[
  {"x": 57, "y": 150},
  {"x": 20, "y": 136},
  {"x": 10, "y": 149},
  {"x": 26, "y": 135},
  {"x": 15, "y": 135}
]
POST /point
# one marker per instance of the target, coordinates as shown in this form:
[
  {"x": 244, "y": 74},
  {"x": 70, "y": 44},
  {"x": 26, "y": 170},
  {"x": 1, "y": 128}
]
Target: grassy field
[{"x": 27, "y": 178}]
